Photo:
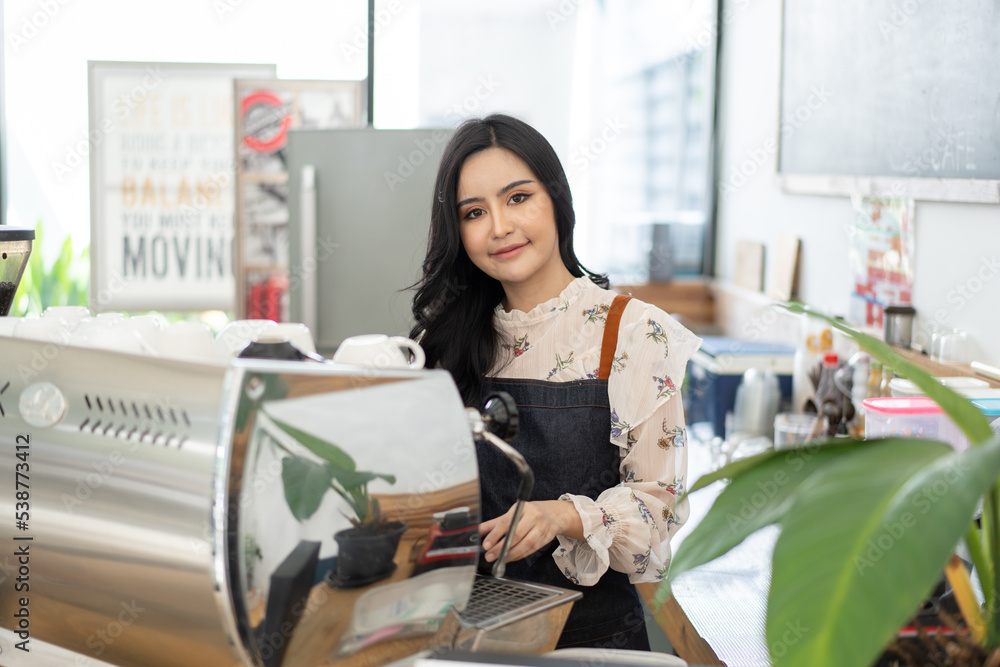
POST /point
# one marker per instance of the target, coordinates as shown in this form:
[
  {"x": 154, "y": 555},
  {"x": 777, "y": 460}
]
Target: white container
[
  {"x": 990, "y": 407},
  {"x": 984, "y": 392},
  {"x": 903, "y": 388}
]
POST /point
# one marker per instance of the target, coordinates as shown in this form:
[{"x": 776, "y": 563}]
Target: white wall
[{"x": 957, "y": 245}]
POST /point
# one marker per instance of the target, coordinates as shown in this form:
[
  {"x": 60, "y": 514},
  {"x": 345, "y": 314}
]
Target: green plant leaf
[
  {"x": 967, "y": 416},
  {"x": 327, "y": 451},
  {"x": 305, "y": 482},
  {"x": 736, "y": 468},
  {"x": 863, "y": 542},
  {"x": 757, "y": 497},
  {"x": 62, "y": 283}
]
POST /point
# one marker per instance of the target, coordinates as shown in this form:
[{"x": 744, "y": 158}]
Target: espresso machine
[{"x": 168, "y": 511}]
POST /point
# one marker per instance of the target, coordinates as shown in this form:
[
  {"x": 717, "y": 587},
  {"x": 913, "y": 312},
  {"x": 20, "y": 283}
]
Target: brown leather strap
[{"x": 610, "y": 342}]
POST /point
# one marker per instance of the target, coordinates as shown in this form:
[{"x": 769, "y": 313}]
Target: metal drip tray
[{"x": 494, "y": 602}]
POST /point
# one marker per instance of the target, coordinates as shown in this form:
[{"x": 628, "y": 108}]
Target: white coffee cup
[
  {"x": 187, "y": 340},
  {"x": 149, "y": 328},
  {"x": 380, "y": 351},
  {"x": 121, "y": 336},
  {"x": 72, "y": 314},
  {"x": 8, "y": 324},
  {"x": 295, "y": 333},
  {"x": 236, "y": 335},
  {"x": 48, "y": 329},
  {"x": 89, "y": 331}
]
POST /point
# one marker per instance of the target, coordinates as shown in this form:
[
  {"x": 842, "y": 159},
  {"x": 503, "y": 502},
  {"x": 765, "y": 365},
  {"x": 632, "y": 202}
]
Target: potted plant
[
  {"x": 367, "y": 549},
  {"x": 867, "y": 528}
]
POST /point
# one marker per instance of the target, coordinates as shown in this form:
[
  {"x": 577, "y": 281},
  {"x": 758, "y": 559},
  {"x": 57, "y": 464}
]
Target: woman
[{"x": 504, "y": 304}]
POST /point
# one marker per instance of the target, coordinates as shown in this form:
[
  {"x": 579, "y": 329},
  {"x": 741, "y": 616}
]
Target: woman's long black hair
[{"x": 455, "y": 300}]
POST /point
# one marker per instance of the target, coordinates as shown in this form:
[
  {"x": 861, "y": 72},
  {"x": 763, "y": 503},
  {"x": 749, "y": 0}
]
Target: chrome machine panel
[{"x": 155, "y": 529}]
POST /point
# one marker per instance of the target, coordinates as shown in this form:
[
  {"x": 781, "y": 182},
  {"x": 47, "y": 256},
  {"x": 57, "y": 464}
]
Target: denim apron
[{"x": 564, "y": 433}]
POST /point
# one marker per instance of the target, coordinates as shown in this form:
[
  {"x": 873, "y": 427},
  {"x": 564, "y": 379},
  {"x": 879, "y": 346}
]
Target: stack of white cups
[{"x": 151, "y": 335}]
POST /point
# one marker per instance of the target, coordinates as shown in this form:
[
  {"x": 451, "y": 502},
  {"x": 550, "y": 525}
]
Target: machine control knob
[
  {"x": 500, "y": 415},
  {"x": 42, "y": 405}
]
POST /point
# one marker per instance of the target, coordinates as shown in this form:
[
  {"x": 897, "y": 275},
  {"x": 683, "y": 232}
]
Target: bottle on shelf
[
  {"x": 829, "y": 398},
  {"x": 887, "y": 376},
  {"x": 875, "y": 380}
]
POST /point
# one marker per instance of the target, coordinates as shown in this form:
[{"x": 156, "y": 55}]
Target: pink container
[{"x": 911, "y": 417}]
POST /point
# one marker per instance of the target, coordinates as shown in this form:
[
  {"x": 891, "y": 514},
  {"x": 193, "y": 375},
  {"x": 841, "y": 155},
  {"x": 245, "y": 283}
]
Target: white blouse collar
[{"x": 547, "y": 308}]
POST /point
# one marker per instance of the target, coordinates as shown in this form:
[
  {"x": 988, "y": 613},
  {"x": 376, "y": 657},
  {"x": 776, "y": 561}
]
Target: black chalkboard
[{"x": 907, "y": 88}]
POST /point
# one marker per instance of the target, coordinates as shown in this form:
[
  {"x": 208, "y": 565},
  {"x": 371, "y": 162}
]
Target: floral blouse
[{"x": 628, "y": 528}]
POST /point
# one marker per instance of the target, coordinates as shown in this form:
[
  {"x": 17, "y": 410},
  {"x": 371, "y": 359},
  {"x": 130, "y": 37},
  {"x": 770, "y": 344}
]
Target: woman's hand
[{"x": 539, "y": 524}]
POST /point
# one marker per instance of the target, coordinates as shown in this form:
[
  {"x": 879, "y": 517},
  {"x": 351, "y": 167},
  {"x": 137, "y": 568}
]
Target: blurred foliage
[{"x": 64, "y": 283}]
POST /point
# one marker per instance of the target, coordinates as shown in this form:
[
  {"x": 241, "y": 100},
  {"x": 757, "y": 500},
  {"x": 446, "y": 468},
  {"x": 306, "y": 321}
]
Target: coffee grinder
[{"x": 15, "y": 248}]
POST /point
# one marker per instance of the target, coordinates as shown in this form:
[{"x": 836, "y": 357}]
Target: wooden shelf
[
  {"x": 942, "y": 370},
  {"x": 265, "y": 268},
  {"x": 265, "y": 177}
]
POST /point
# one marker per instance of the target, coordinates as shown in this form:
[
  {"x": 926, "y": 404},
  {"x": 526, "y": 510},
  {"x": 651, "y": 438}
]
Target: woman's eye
[
  {"x": 519, "y": 197},
  {"x": 473, "y": 213}
]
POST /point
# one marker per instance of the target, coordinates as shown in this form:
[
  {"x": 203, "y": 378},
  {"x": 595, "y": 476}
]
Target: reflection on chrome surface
[
  {"x": 160, "y": 519},
  {"x": 376, "y": 476}
]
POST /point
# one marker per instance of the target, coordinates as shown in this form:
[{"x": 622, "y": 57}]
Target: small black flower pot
[{"x": 365, "y": 554}]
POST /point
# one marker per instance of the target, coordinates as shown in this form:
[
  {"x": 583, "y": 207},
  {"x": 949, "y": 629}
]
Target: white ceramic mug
[
  {"x": 121, "y": 336},
  {"x": 187, "y": 340},
  {"x": 48, "y": 329},
  {"x": 380, "y": 351},
  {"x": 236, "y": 335},
  {"x": 72, "y": 314},
  {"x": 295, "y": 333}
]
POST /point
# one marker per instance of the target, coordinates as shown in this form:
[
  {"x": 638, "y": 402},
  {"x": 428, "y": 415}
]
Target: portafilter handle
[{"x": 500, "y": 416}]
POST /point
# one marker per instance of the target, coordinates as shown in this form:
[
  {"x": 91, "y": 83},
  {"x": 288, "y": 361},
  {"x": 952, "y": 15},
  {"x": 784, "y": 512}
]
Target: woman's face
[{"x": 507, "y": 222}]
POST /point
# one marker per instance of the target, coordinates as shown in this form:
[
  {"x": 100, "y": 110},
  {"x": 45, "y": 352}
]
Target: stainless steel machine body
[
  {"x": 155, "y": 525},
  {"x": 120, "y": 464}
]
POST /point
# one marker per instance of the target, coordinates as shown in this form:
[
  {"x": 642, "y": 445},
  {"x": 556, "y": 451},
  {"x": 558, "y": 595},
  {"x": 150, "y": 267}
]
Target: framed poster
[
  {"x": 162, "y": 184},
  {"x": 265, "y": 111},
  {"x": 881, "y": 257}
]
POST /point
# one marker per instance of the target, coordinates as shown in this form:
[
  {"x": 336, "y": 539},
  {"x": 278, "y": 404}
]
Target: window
[
  {"x": 654, "y": 193},
  {"x": 622, "y": 89}
]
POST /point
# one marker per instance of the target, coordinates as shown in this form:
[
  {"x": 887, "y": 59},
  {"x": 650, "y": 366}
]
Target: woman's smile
[{"x": 509, "y": 251}]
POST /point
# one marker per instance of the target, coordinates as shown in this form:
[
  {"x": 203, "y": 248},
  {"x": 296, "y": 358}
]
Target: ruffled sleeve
[
  {"x": 628, "y": 527},
  {"x": 650, "y": 361}
]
